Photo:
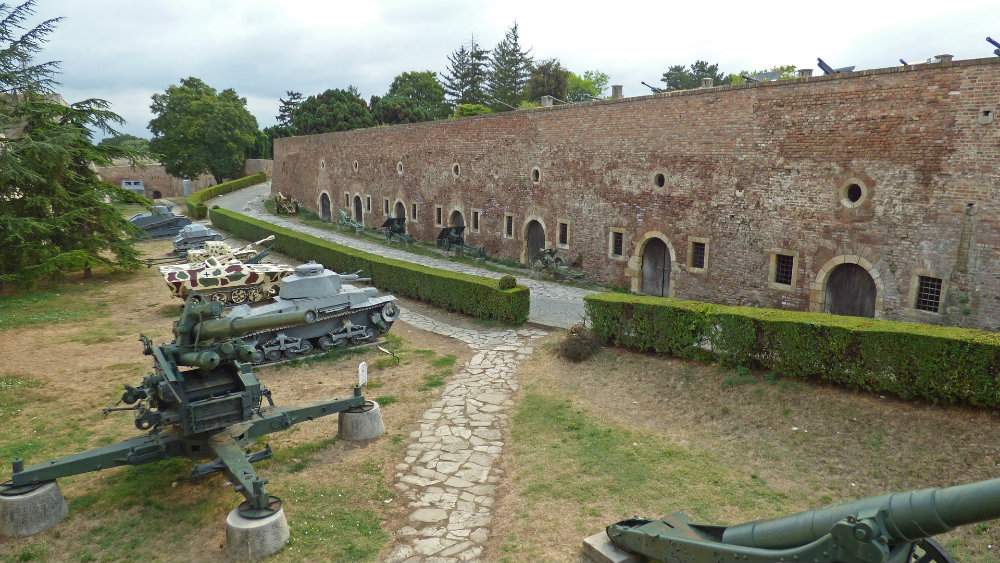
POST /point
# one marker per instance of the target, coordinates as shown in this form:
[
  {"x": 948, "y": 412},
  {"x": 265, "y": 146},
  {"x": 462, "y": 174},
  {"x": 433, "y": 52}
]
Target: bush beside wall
[
  {"x": 475, "y": 295},
  {"x": 196, "y": 201},
  {"x": 941, "y": 364}
]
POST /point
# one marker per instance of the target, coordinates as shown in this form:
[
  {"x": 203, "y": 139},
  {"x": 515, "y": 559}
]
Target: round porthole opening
[
  {"x": 660, "y": 180},
  {"x": 355, "y": 166},
  {"x": 456, "y": 170},
  {"x": 536, "y": 175},
  {"x": 854, "y": 193},
  {"x": 399, "y": 168}
]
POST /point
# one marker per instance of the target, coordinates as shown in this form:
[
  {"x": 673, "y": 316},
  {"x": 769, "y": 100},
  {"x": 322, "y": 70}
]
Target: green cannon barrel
[
  {"x": 227, "y": 328},
  {"x": 909, "y": 516}
]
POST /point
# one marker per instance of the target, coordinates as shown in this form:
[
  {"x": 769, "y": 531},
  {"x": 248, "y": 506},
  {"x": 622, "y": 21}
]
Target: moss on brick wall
[
  {"x": 946, "y": 364},
  {"x": 475, "y": 295}
]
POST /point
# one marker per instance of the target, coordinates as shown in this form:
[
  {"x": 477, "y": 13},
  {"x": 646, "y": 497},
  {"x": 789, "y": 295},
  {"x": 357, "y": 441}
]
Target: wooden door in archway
[
  {"x": 535, "y": 239},
  {"x": 656, "y": 268},
  {"x": 400, "y": 211},
  {"x": 359, "y": 215},
  {"x": 456, "y": 219},
  {"x": 850, "y": 290},
  {"x": 324, "y": 207}
]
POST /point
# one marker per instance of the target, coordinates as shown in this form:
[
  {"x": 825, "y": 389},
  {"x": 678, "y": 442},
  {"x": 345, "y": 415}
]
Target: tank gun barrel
[
  {"x": 227, "y": 328},
  {"x": 908, "y": 516}
]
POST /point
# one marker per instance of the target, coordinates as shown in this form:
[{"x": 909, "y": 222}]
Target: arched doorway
[
  {"x": 358, "y": 210},
  {"x": 535, "y": 240},
  {"x": 656, "y": 268},
  {"x": 456, "y": 219},
  {"x": 850, "y": 290},
  {"x": 157, "y": 194},
  {"x": 400, "y": 210},
  {"x": 324, "y": 206}
]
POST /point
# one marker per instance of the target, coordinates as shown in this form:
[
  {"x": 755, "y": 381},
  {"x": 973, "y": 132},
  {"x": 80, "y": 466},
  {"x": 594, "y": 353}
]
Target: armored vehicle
[
  {"x": 344, "y": 314},
  {"x": 233, "y": 282},
  {"x": 192, "y": 237},
  {"x": 226, "y": 254},
  {"x": 161, "y": 222}
]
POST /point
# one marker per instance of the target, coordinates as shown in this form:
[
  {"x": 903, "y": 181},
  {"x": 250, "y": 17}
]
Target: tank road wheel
[
  {"x": 220, "y": 296},
  {"x": 361, "y": 337},
  {"x": 239, "y": 295},
  {"x": 255, "y": 294},
  {"x": 390, "y": 312},
  {"x": 273, "y": 355},
  {"x": 325, "y": 343},
  {"x": 305, "y": 347},
  {"x": 927, "y": 550},
  {"x": 339, "y": 342}
]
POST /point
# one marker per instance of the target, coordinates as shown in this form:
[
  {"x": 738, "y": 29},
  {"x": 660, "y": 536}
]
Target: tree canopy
[
  {"x": 199, "y": 131},
  {"x": 423, "y": 90},
  {"x": 333, "y": 110},
  {"x": 465, "y": 80},
  {"x": 678, "y": 77},
  {"x": 127, "y": 141},
  {"x": 509, "y": 71},
  {"x": 548, "y": 78},
  {"x": 53, "y": 214},
  {"x": 392, "y": 110},
  {"x": 591, "y": 85}
]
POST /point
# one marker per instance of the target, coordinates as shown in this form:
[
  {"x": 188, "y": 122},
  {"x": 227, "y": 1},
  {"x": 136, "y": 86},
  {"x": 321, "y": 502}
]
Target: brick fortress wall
[
  {"x": 892, "y": 169},
  {"x": 154, "y": 178}
]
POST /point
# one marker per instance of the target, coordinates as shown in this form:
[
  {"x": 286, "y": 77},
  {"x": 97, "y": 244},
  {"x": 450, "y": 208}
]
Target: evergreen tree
[
  {"x": 423, "y": 90},
  {"x": 465, "y": 80},
  {"x": 678, "y": 77},
  {"x": 333, "y": 110},
  {"x": 510, "y": 68},
  {"x": 53, "y": 215},
  {"x": 287, "y": 107},
  {"x": 548, "y": 78}
]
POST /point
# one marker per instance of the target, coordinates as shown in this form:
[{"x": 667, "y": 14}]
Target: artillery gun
[
  {"x": 454, "y": 237},
  {"x": 888, "y": 528},
  {"x": 342, "y": 314},
  {"x": 161, "y": 222},
  {"x": 211, "y": 411},
  {"x": 285, "y": 204},
  {"x": 346, "y": 221},
  {"x": 395, "y": 227},
  {"x": 546, "y": 261},
  {"x": 226, "y": 254}
]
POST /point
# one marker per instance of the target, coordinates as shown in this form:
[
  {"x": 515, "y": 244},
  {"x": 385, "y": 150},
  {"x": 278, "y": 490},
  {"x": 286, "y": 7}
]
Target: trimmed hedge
[
  {"x": 196, "y": 201},
  {"x": 476, "y": 295},
  {"x": 941, "y": 364}
]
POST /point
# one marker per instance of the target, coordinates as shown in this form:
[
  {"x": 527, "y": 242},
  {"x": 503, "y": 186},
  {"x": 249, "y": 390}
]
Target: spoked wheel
[
  {"x": 928, "y": 550},
  {"x": 246, "y": 510},
  {"x": 239, "y": 295},
  {"x": 255, "y": 294},
  {"x": 221, "y": 297}
]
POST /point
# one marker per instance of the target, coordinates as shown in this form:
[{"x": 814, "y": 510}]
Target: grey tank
[
  {"x": 161, "y": 222},
  {"x": 193, "y": 237},
  {"x": 342, "y": 314}
]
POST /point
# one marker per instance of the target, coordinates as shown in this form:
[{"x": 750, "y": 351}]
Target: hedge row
[
  {"x": 476, "y": 295},
  {"x": 941, "y": 364},
  {"x": 196, "y": 201}
]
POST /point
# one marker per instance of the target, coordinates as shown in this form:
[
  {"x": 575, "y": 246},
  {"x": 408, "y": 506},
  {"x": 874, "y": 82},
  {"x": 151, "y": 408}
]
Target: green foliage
[
  {"x": 333, "y": 110},
  {"x": 467, "y": 110},
  {"x": 591, "y": 85},
  {"x": 198, "y": 131},
  {"x": 507, "y": 282},
  {"x": 678, "y": 77},
  {"x": 423, "y": 90},
  {"x": 53, "y": 215},
  {"x": 196, "y": 201},
  {"x": 475, "y": 295},
  {"x": 785, "y": 72},
  {"x": 510, "y": 69},
  {"x": 126, "y": 141},
  {"x": 286, "y": 109},
  {"x": 393, "y": 110},
  {"x": 548, "y": 78},
  {"x": 465, "y": 80},
  {"x": 910, "y": 360}
]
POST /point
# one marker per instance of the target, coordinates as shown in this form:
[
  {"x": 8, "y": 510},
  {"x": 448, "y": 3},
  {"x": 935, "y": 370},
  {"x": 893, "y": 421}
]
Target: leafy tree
[
  {"x": 333, "y": 110},
  {"x": 548, "y": 78},
  {"x": 510, "y": 69},
  {"x": 591, "y": 85},
  {"x": 199, "y": 131},
  {"x": 127, "y": 141},
  {"x": 287, "y": 108},
  {"x": 392, "y": 110},
  {"x": 465, "y": 110},
  {"x": 53, "y": 215},
  {"x": 678, "y": 77},
  {"x": 465, "y": 80},
  {"x": 783, "y": 72},
  {"x": 424, "y": 90}
]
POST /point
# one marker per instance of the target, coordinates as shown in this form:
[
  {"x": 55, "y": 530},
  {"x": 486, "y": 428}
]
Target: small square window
[
  {"x": 698, "y": 255},
  {"x": 928, "y": 294},
  {"x": 385, "y": 205},
  {"x": 438, "y": 214},
  {"x": 413, "y": 212},
  {"x": 508, "y": 226},
  {"x": 617, "y": 243},
  {"x": 368, "y": 204},
  {"x": 784, "y": 266},
  {"x": 563, "y": 240},
  {"x": 475, "y": 221}
]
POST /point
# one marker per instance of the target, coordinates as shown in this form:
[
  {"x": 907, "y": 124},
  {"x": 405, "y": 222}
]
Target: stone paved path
[
  {"x": 552, "y": 304},
  {"x": 450, "y": 472}
]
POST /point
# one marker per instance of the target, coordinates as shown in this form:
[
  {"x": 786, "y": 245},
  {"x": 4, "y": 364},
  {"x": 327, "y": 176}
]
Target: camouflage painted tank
[
  {"x": 224, "y": 253},
  {"x": 344, "y": 314},
  {"x": 228, "y": 283}
]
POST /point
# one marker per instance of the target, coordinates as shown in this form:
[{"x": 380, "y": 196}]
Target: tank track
[
  {"x": 237, "y": 295},
  {"x": 284, "y": 348}
]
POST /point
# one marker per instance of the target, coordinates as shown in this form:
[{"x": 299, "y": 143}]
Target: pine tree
[
  {"x": 510, "y": 69},
  {"x": 53, "y": 215},
  {"x": 287, "y": 107},
  {"x": 465, "y": 80}
]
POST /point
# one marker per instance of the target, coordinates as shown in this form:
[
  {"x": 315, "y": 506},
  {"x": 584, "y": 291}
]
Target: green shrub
[
  {"x": 579, "y": 343},
  {"x": 196, "y": 201},
  {"x": 910, "y": 360},
  {"x": 508, "y": 282},
  {"x": 475, "y": 295}
]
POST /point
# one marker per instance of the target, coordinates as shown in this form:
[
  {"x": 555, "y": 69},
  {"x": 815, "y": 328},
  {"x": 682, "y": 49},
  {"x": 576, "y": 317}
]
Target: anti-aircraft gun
[
  {"x": 888, "y": 528},
  {"x": 202, "y": 401}
]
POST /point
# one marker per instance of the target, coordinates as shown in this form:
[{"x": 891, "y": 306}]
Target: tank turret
[
  {"x": 344, "y": 314},
  {"x": 194, "y": 236}
]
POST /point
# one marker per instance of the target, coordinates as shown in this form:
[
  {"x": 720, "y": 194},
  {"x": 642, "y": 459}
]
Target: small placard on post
[{"x": 362, "y": 374}]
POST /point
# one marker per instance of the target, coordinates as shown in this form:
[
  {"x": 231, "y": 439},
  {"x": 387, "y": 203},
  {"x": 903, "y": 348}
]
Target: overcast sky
[{"x": 126, "y": 50}]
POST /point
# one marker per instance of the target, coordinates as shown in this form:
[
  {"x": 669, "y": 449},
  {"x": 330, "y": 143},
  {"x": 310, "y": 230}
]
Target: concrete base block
[
  {"x": 364, "y": 424},
  {"x": 249, "y": 539},
  {"x": 599, "y": 549},
  {"x": 32, "y": 513}
]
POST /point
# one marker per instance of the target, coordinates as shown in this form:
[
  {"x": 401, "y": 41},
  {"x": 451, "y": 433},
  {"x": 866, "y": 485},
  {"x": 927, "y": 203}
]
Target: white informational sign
[{"x": 362, "y": 374}]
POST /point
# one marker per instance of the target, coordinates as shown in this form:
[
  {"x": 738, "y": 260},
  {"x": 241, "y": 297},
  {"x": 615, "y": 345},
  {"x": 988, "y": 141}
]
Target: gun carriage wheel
[
  {"x": 247, "y": 510},
  {"x": 928, "y": 550}
]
